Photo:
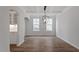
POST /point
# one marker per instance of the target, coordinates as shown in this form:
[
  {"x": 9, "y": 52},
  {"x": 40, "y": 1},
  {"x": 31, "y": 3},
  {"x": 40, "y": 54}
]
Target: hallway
[{"x": 43, "y": 44}]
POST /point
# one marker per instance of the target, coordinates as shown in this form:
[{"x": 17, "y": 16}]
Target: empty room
[{"x": 39, "y": 28}]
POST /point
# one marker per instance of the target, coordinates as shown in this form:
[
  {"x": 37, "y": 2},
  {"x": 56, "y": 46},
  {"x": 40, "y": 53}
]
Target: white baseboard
[
  {"x": 20, "y": 43},
  {"x": 69, "y": 42}
]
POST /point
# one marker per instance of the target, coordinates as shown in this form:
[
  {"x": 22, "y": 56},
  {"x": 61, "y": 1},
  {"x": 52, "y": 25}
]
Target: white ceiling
[{"x": 40, "y": 9}]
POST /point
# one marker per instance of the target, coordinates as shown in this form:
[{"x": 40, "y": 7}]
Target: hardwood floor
[{"x": 43, "y": 44}]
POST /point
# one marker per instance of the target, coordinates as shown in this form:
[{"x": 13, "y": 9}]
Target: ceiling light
[{"x": 45, "y": 17}]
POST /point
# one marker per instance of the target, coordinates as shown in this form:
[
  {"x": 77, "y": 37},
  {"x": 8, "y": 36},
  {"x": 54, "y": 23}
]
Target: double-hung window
[
  {"x": 49, "y": 24},
  {"x": 36, "y": 24}
]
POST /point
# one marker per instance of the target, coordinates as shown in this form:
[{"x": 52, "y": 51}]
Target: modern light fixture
[{"x": 45, "y": 16}]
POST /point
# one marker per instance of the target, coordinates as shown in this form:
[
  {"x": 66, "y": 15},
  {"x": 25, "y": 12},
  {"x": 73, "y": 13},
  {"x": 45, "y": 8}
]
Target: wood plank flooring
[{"x": 43, "y": 44}]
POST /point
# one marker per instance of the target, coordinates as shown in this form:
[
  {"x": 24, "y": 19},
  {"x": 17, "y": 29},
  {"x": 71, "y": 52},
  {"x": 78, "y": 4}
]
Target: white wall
[
  {"x": 67, "y": 25},
  {"x": 21, "y": 25},
  {"x": 4, "y": 30}
]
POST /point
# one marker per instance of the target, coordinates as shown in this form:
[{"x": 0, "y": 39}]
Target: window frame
[
  {"x": 36, "y": 24},
  {"x": 50, "y": 24}
]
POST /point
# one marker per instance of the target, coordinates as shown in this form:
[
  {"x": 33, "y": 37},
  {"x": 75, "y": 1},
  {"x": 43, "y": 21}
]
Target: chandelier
[{"x": 45, "y": 17}]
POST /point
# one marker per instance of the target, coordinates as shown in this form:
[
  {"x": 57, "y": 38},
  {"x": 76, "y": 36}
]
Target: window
[
  {"x": 35, "y": 24},
  {"x": 13, "y": 21},
  {"x": 13, "y": 28},
  {"x": 49, "y": 25}
]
